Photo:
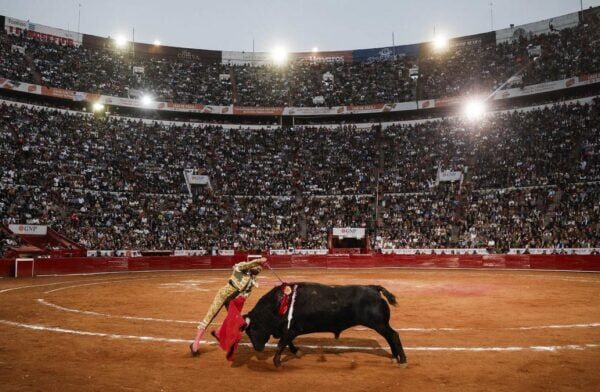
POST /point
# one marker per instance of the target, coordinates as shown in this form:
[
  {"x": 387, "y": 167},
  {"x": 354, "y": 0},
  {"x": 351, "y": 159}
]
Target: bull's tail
[{"x": 391, "y": 298}]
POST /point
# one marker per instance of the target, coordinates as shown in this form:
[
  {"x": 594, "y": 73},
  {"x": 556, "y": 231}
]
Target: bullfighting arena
[{"x": 463, "y": 330}]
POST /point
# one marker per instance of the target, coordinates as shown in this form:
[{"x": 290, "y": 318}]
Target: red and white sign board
[
  {"x": 348, "y": 232},
  {"x": 43, "y": 33},
  {"x": 29, "y": 229}
]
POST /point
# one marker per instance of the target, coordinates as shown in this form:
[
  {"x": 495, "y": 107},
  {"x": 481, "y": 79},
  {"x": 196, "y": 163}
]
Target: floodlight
[
  {"x": 440, "y": 42},
  {"x": 147, "y": 100},
  {"x": 156, "y": 42},
  {"x": 279, "y": 55},
  {"x": 120, "y": 41},
  {"x": 97, "y": 107},
  {"x": 315, "y": 50},
  {"x": 475, "y": 109}
]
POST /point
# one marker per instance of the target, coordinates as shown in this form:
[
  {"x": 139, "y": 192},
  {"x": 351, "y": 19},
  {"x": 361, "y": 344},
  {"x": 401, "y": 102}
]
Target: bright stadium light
[
  {"x": 147, "y": 100},
  {"x": 120, "y": 41},
  {"x": 279, "y": 55},
  {"x": 156, "y": 42},
  {"x": 97, "y": 107},
  {"x": 440, "y": 43},
  {"x": 315, "y": 50},
  {"x": 475, "y": 109}
]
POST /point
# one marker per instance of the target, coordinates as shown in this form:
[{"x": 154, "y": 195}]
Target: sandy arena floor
[{"x": 462, "y": 331}]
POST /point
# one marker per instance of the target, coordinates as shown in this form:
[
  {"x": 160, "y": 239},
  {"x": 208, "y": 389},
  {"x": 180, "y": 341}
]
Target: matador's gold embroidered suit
[{"x": 241, "y": 282}]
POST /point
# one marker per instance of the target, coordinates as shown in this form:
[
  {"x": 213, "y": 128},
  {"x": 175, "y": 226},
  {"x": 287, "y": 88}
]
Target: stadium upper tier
[
  {"x": 553, "y": 50},
  {"x": 527, "y": 177}
]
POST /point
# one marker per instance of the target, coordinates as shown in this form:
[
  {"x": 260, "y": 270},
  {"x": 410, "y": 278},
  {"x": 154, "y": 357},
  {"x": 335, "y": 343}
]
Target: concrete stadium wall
[{"x": 94, "y": 265}]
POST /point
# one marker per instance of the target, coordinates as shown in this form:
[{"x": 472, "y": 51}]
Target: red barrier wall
[
  {"x": 87, "y": 265},
  {"x": 7, "y": 267}
]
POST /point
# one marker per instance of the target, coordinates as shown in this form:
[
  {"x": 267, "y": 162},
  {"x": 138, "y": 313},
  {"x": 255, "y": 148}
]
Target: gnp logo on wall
[
  {"x": 29, "y": 229},
  {"x": 348, "y": 232}
]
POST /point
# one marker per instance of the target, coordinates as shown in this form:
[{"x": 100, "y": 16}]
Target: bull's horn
[{"x": 247, "y": 319}]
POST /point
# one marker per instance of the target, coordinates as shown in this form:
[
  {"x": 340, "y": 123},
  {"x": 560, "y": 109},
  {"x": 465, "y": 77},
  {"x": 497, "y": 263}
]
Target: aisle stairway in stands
[
  {"x": 234, "y": 91},
  {"x": 37, "y": 77}
]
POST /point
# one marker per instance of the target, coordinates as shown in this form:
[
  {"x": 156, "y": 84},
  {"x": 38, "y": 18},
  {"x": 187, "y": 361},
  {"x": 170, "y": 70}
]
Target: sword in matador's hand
[{"x": 266, "y": 264}]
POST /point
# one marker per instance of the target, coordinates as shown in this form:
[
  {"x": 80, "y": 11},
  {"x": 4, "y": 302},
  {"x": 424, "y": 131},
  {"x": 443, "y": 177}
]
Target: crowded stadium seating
[
  {"x": 529, "y": 178},
  {"x": 461, "y": 70},
  {"x": 522, "y": 178}
]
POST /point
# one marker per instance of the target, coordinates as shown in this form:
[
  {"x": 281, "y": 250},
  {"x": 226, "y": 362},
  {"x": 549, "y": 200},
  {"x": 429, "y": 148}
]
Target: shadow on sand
[{"x": 308, "y": 347}]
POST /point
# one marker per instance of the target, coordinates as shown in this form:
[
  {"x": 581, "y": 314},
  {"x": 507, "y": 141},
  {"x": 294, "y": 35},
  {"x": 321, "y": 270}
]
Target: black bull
[{"x": 321, "y": 308}]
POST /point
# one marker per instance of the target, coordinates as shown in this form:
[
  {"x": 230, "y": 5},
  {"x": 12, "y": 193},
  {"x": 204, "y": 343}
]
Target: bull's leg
[
  {"x": 293, "y": 348},
  {"x": 401, "y": 355},
  {"x": 280, "y": 347},
  {"x": 393, "y": 340}
]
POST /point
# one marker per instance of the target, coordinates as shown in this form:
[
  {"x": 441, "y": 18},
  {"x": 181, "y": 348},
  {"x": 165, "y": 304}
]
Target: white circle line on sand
[
  {"x": 100, "y": 282},
  {"x": 53, "y": 284},
  {"x": 137, "y": 272},
  {"x": 550, "y": 348},
  {"x": 409, "y": 329},
  {"x": 91, "y": 313},
  {"x": 406, "y": 329},
  {"x": 103, "y": 280}
]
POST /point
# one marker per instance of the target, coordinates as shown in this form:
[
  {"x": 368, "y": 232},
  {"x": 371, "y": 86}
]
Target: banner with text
[
  {"x": 349, "y": 232},
  {"x": 40, "y": 32},
  {"x": 29, "y": 229}
]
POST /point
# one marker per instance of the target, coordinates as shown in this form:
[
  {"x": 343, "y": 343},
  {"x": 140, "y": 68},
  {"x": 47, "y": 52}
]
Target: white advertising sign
[
  {"x": 29, "y": 229},
  {"x": 349, "y": 232}
]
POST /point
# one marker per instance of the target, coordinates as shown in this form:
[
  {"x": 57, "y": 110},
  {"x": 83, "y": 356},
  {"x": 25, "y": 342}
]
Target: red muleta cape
[{"x": 230, "y": 332}]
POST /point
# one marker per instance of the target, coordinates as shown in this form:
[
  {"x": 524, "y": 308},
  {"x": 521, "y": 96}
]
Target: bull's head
[{"x": 259, "y": 334}]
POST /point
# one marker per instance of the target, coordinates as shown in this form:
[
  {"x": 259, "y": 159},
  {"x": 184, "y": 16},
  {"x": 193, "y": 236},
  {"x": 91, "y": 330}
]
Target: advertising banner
[
  {"x": 341, "y": 56},
  {"x": 190, "y": 252},
  {"x": 548, "y": 86},
  {"x": 43, "y": 33},
  {"x": 197, "y": 179},
  {"x": 18, "y": 86},
  {"x": 448, "y": 175},
  {"x": 29, "y": 229},
  {"x": 195, "y": 108},
  {"x": 349, "y": 232},
  {"x": 99, "y": 253},
  {"x": 461, "y": 251},
  {"x": 58, "y": 93},
  {"x": 257, "y": 111},
  {"x": 313, "y": 252},
  {"x": 552, "y": 251},
  {"x": 475, "y": 39},
  {"x": 386, "y": 53},
  {"x": 427, "y": 104},
  {"x": 265, "y": 58},
  {"x": 281, "y": 252},
  {"x": 312, "y": 111},
  {"x": 244, "y": 58}
]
